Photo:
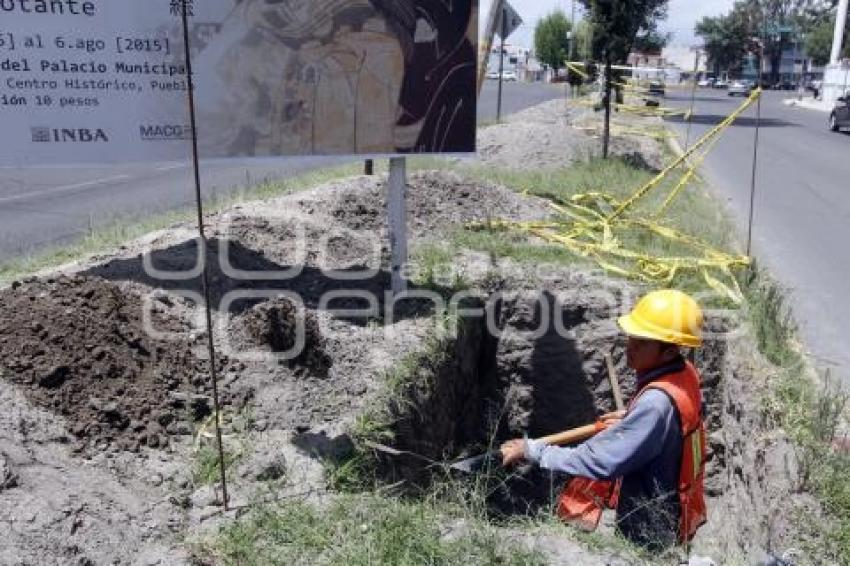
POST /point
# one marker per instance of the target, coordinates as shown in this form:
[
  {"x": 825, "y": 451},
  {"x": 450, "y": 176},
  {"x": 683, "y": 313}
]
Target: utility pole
[
  {"x": 501, "y": 64},
  {"x": 838, "y": 36}
]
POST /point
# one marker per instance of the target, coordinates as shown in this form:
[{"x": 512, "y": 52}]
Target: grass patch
[
  {"x": 693, "y": 213},
  {"x": 362, "y": 530},
  {"x": 811, "y": 413},
  {"x": 410, "y": 377},
  {"x": 206, "y": 470}
]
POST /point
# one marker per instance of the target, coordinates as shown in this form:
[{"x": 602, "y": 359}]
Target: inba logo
[
  {"x": 165, "y": 132},
  {"x": 68, "y": 135}
]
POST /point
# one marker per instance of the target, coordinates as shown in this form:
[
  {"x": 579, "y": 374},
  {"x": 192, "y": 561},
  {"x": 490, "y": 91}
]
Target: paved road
[
  {"x": 515, "y": 97},
  {"x": 802, "y": 212},
  {"x": 45, "y": 207}
]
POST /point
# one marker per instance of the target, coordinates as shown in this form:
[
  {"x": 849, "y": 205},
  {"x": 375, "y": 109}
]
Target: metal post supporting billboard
[
  {"x": 202, "y": 251},
  {"x": 501, "y": 65},
  {"x": 397, "y": 222}
]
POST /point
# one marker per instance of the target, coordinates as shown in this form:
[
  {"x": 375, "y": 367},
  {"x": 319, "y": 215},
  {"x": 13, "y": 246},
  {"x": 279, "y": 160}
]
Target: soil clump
[{"x": 79, "y": 346}]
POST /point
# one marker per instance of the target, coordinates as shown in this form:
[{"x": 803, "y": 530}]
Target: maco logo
[
  {"x": 163, "y": 132},
  {"x": 68, "y": 135}
]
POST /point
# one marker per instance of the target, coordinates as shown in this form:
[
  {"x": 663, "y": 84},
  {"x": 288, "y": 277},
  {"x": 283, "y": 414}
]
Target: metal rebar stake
[{"x": 203, "y": 251}]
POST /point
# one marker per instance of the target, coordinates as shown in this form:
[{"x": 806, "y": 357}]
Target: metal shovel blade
[{"x": 477, "y": 463}]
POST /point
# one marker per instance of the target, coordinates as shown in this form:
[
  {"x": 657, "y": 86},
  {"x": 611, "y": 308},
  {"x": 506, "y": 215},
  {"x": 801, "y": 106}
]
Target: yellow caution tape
[{"x": 598, "y": 226}]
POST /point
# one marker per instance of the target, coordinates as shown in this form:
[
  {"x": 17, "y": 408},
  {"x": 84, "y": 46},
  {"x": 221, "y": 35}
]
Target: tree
[
  {"x": 551, "y": 41},
  {"x": 819, "y": 43},
  {"x": 618, "y": 23},
  {"x": 583, "y": 39},
  {"x": 776, "y": 24},
  {"x": 727, "y": 38},
  {"x": 616, "y": 26},
  {"x": 819, "y": 39}
]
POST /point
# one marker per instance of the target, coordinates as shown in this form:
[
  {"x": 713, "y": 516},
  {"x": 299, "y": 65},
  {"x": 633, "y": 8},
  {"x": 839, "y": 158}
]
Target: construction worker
[{"x": 649, "y": 466}]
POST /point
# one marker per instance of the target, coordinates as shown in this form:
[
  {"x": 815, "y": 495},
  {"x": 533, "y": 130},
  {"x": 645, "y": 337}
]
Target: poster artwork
[
  {"x": 341, "y": 77},
  {"x": 106, "y": 81}
]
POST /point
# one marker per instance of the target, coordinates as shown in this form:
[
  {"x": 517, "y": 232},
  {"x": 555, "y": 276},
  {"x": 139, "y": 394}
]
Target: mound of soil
[
  {"x": 79, "y": 347},
  {"x": 553, "y": 136},
  {"x": 436, "y": 201}
]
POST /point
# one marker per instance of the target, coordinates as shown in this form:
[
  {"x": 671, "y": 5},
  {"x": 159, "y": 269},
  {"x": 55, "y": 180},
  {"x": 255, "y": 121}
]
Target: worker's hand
[
  {"x": 513, "y": 452},
  {"x": 611, "y": 419}
]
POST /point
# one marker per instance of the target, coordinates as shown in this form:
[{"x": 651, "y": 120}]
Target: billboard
[{"x": 106, "y": 80}]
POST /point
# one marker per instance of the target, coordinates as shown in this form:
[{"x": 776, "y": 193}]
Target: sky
[{"x": 683, "y": 16}]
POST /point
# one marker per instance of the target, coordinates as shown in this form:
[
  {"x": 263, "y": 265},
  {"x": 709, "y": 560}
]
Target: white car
[
  {"x": 509, "y": 76},
  {"x": 721, "y": 84},
  {"x": 741, "y": 88},
  {"x": 705, "y": 83},
  {"x": 493, "y": 76}
]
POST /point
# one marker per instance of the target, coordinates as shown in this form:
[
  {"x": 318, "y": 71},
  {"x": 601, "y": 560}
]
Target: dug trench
[
  {"x": 125, "y": 407},
  {"x": 524, "y": 363}
]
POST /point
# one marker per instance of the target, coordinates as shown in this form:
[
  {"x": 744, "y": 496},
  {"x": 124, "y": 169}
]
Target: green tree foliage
[
  {"x": 584, "y": 39},
  {"x": 819, "y": 43},
  {"x": 618, "y": 23},
  {"x": 652, "y": 42},
  {"x": 726, "y": 38},
  {"x": 776, "y": 24},
  {"x": 819, "y": 37},
  {"x": 550, "y": 39}
]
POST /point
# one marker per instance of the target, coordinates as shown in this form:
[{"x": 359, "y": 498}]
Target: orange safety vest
[{"x": 582, "y": 500}]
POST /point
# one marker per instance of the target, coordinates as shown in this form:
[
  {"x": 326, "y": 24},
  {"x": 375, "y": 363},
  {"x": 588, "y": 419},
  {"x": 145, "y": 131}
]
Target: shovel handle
[{"x": 582, "y": 433}]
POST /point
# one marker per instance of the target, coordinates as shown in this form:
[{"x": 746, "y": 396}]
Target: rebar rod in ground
[{"x": 203, "y": 252}]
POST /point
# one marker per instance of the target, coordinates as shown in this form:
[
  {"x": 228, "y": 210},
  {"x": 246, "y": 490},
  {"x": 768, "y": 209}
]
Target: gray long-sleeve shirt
[{"x": 645, "y": 449}]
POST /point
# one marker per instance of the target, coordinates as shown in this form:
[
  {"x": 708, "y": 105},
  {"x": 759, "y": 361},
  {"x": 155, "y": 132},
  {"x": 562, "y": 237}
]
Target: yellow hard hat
[{"x": 667, "y": 316}]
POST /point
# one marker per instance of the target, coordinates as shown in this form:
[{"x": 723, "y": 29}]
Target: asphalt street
[
  {"x": 802, "y": 206},
  {"x": 51, "y": 206}
]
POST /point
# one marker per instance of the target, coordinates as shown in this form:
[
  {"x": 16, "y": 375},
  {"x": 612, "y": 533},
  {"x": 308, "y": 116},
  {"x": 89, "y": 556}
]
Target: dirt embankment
[
  {"x": 106, "y": 417},
  {"x": 555, "y": 134}
]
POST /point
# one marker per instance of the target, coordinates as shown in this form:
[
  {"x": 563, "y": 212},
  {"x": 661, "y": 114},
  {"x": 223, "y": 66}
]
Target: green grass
[
  {"x": 412, "y": 375},
  {"x": 812, "y": 413},
  {"x": 363, "y": 530},
  {"x": 206, "y": 469},
  {"x": 694, "y": 213}
]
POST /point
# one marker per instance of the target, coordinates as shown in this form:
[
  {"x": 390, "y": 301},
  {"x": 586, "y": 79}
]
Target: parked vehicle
[
  {"x": 741, "y": 88},
  {"x": 721, "y": 83},
  {"x": 840, "y": 116},
  {"x": 493, "y": 76},
  {"x": 656, "y": 88},
  {"x": 706, "y": 83},
  {"x": 785, "y": 85},
  {"x": 509, "y": 76}
]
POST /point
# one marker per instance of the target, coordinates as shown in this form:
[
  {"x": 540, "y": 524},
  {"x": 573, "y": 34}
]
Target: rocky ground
[{"x": 106, "y": 400}]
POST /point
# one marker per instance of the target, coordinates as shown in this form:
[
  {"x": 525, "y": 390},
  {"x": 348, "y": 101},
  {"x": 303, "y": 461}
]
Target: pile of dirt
[
  {"x": 554, "y": 135},
  {"x": 79, "y": 346},
  {"x": 541, "y": 137},
  {"x": 436, "y": 202}
]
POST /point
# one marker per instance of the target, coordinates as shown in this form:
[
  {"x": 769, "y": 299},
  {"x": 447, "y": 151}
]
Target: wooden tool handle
[
  {"x": 571, "y": 436},
  {"x": 582, "y": 433}
]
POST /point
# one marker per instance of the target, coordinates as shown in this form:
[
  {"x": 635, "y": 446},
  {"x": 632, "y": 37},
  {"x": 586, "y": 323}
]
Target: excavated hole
[{"x": 481, "y": 388}]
